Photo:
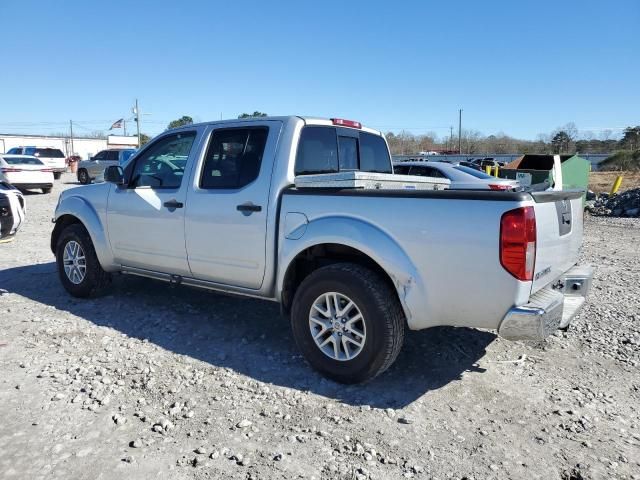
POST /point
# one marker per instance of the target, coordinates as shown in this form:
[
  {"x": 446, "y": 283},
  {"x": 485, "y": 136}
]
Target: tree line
[{"x": 562, "y": 140}]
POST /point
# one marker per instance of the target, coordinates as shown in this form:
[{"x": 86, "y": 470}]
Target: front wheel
[
  {"x": 78, "y": 267},
  {"x": 347, "y": 322}
]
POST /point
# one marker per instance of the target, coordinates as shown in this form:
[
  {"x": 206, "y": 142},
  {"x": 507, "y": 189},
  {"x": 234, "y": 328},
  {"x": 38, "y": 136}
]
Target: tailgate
[{"x": 559, "y": 218}]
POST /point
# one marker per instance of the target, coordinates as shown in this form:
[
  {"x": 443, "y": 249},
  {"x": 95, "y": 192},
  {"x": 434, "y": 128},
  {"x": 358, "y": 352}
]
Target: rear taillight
[
  {"x": 346, "y": 123},
  {"x": 499, "y": 187},
  {"x": 518, "y": 242},
  {"x": 46, "y": 170},
  {"x": 10, "y": 170}
]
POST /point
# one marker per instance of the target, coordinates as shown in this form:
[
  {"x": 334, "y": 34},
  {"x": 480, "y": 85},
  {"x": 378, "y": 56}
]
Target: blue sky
[{"x": 520, "y": 67}]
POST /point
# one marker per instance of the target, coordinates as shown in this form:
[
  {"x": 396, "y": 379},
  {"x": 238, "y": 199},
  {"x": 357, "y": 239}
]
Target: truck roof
[{"x": 284, "y": 119}]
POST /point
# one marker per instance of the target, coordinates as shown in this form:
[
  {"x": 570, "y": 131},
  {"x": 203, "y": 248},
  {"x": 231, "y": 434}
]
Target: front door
[
  {"x": 226, "y": 220},
  {"x": 145, "y": 219}
]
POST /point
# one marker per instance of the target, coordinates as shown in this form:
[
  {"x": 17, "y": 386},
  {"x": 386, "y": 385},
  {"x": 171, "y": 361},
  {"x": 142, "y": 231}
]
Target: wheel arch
[
  {"x": 361, "y": 243},
  {"x": 75, "y": 210}
]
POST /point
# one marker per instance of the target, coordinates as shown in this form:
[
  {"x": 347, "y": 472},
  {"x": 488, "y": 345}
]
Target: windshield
[
  {"x": 22, "y": 161},
  {"x": 471, "y": 171}
]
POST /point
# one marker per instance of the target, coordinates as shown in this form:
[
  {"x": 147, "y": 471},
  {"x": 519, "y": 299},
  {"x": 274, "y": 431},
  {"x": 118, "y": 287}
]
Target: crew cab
[{"x": 214, "y": 205}]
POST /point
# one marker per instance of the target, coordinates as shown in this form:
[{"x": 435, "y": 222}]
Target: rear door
[
  {"x": 559, "y": 223},
  {"x": 226, "y": 218}
]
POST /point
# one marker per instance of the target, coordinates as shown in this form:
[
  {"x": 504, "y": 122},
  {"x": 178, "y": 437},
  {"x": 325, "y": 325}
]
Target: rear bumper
[{"x": 551, "y": 308}]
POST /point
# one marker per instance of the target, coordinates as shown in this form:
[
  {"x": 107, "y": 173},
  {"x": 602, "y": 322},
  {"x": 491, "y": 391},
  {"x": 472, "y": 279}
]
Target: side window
[
  {"x": 112, "y": 155},
  {"x": 161, "y": 164},
  {"x": 317, "y": 151},
  {"x": 233, "y": 157},
  {"x": 100, "y": 155},
  {"x": 30, "y": 151},
  {"x": 374, "y": 154},
  {"x": 13, "y": 151}
]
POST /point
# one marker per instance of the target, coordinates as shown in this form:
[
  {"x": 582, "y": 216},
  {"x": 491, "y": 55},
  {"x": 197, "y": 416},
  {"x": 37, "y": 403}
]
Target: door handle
[
  {"x": 173, "y": 204},
  {"x": 248, "y": 208}
]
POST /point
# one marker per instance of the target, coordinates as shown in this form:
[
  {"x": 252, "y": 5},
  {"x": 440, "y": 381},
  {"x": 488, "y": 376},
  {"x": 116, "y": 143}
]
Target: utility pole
[
  {"x": 136, "y": 112},
  {"x": 450, "y": 142},
  {"x": 71, "y": 132},
  {"x": 460, "y": 132},
  {"x": 124, "y": 127}
]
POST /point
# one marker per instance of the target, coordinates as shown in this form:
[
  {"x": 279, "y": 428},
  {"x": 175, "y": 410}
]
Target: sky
[{"x": 519, "y": 67}]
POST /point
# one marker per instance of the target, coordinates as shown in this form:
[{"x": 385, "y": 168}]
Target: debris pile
[{"x": 626, "y": 204}]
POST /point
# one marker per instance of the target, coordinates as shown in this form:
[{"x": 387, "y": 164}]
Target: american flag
[{"x": 117, "y": 124}]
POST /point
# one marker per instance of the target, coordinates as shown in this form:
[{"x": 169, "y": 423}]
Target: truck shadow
[{"x": 250, "y": 336}]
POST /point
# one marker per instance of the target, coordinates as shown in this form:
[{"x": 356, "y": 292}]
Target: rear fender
[{"x": 368, "y": 239}]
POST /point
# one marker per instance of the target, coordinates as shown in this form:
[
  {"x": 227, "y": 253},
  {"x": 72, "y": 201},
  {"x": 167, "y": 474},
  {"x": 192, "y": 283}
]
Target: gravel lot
[{"x": 154, "y": 381}]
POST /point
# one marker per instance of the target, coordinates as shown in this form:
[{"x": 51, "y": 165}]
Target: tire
[
  {"x": 83, "y": 176},
  {"x": 47, "y": 190},
  {"x": 95, "y": 279},
  {"x": 57, "y": 175},
  {"x": 383, "y": 322}
]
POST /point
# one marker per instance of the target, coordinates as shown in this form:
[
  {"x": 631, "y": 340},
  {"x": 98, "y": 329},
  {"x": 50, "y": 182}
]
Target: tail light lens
[
  {"x": 500, "y": 187},
  {"x": 46, "y": 170},
  {"x": 518, "y": 242},
  {"x": 11, "y": 170}
]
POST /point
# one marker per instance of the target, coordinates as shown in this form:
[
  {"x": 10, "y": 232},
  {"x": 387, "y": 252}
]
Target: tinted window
[
  {"x": 317, "y": 151},
  {"x": 100, "y": 155},
  {"x": 348, "y": 153},
  {"x": 471, "y": 171},
  {"x": 433, "y": 172},
  {"x": 22, "y": 161},
  {"x": 402, "y": 169},
  {"x": 374, "y": 155},
  {"x": 112, "y": 155},
  {"x": 49, "y": 153},
  {"x": 30, "y": 150},
  {"x": 161, "y": 164},
  {"x": 233, "y": 157},
  {"x": 14, "y": 150}
]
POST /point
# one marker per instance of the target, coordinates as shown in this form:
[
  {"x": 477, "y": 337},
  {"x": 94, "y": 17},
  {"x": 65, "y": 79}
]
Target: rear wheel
[
  {"x": 78, "y": 266},
  {"x": 83, "y": 176},
  {"x": 348, "y": 322},
  {"x": 57, "y": 175}
]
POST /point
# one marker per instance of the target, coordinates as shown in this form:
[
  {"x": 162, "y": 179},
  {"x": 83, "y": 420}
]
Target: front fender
[
  {"x": 368, "y": 239},
  {"x": 81, "y": 209}
]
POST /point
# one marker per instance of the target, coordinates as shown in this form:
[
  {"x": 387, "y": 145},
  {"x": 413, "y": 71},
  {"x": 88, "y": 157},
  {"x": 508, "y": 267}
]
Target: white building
[{"x": 82, "y": 146}]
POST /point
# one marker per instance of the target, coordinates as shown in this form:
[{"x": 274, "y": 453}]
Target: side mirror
[{"x": 114, "y": 174}]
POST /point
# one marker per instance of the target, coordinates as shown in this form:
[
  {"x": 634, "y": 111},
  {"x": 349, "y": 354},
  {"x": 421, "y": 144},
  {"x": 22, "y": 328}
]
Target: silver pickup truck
[{"x": 214, "y": 205}]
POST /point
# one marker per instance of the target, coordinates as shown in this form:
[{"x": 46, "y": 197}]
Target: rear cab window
[
  {"x": 48, "y": 153},
  {"x": 22, "y": 161},
  {"x": 333, "y": 149}
]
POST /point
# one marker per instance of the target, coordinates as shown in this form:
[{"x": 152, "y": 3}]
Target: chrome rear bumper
[{"x": 548, "y": 309}]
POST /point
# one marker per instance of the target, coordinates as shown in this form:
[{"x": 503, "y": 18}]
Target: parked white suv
[{"x": 51, "y": 157}]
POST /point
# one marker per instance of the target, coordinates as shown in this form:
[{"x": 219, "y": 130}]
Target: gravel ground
[{"x": 154, "y": 381}]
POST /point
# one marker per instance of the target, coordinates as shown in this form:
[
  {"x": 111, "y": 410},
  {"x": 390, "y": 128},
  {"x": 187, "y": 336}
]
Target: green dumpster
[{"x": 537, "y": 169}]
